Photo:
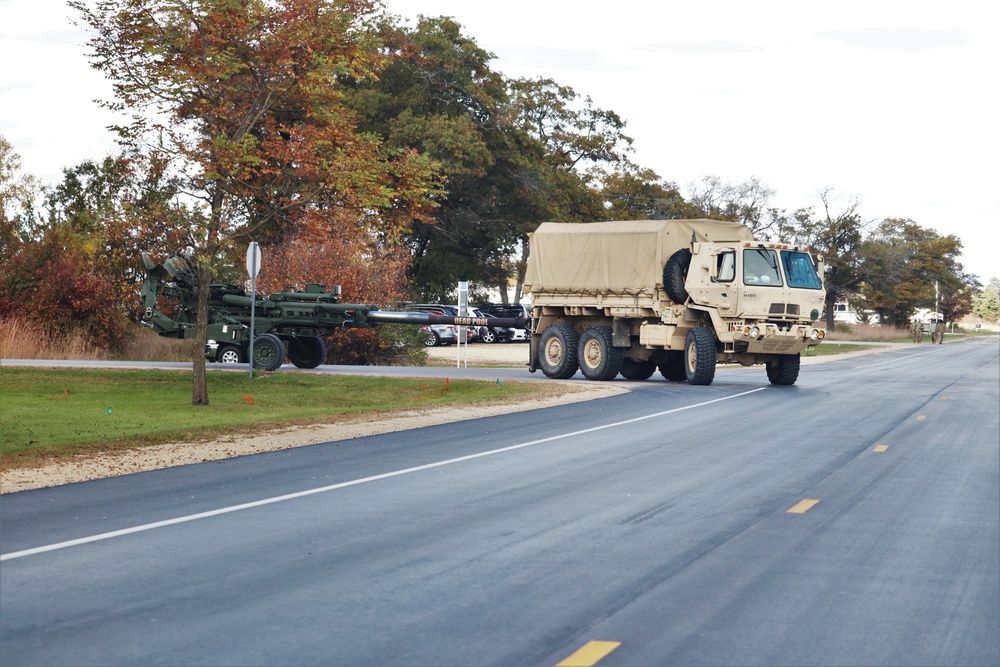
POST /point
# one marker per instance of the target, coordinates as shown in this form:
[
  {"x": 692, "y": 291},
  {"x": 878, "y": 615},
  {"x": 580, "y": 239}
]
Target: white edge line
[
  {"x": 333, "y": 487},
  {"x": 892, "y": 361}
]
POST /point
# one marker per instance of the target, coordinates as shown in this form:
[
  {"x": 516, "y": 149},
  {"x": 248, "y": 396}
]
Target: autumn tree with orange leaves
[{"x": 244, "y": 98}]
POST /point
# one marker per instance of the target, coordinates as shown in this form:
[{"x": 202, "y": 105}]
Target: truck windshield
[
  {"x": 760, "y": 267},
  {"x": 800, "y": 270}
]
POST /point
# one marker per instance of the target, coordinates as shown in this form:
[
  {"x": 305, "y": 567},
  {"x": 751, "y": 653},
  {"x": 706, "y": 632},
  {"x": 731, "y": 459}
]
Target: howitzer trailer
[
  {"x": 680, "y": 296},
  {"x": 289, "y": 323}
]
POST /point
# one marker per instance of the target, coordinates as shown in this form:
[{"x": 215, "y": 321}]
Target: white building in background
[{"x": 842, "y": 312}]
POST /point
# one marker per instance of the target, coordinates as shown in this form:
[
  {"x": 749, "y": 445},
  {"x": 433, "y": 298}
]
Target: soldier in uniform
[{"x": 915, "y": 331}]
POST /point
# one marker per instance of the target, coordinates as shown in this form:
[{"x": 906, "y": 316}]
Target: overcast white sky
[{"x": 895, "y": 102}]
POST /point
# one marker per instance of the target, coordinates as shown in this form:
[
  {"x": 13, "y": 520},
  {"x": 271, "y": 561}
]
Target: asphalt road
[{"x": 851, "y": 519}]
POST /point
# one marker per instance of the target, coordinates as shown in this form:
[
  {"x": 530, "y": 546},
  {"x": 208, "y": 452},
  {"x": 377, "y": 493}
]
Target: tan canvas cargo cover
[{"x": 624, "y": 257}]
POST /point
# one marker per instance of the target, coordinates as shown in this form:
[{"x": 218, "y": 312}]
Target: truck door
[{"x": 721, "y": 289}]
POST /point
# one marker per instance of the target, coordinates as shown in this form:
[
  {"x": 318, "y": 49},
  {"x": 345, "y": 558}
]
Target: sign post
[
  {"x": 253, "y": 267},
  {"x": 463, "y": 311}
]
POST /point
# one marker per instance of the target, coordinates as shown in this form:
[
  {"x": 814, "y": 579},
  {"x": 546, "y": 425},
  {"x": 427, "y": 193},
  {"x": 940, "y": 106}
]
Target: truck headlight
[
  {"x": 814, "y": 336},
  {"x": 754, "y": 332}
]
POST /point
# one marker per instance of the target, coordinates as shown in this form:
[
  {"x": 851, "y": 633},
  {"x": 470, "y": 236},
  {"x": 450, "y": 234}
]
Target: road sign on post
[{"x": 253, "y": 268}]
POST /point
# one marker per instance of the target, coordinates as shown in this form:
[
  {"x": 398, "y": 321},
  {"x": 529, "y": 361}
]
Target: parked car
[
  {"x": 507, "y": 310},
  {"x": 440, "y": 334}
]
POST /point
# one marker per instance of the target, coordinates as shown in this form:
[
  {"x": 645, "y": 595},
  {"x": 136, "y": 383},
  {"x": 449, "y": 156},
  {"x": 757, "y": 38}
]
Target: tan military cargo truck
[{"x": 680, "y": 296}]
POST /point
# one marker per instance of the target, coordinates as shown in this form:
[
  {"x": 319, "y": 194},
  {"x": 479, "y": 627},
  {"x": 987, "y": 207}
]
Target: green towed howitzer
[{"x": 289, "y": 323}]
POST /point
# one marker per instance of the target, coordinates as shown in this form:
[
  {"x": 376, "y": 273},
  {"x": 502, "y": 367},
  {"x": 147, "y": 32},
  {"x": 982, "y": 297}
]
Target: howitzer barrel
[{"x": 430, "y": 318}]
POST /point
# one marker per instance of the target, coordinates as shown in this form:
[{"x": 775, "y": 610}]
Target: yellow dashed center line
[
  {"x": 589, "y": 654},
  {"x": 802, "y": 506},
  {"x": 920, "y": 418},
  {"x": 881, "y": 448}
]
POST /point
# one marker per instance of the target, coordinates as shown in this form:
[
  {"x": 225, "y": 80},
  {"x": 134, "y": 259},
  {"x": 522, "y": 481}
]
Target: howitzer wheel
[
  {"x": 268, "y": 352},
  {"x": 306, "y": 351}
]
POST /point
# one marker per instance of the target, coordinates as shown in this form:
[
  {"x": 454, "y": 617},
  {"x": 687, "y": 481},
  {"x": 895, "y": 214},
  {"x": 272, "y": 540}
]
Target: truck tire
[
  {"x": 307, "y": 351},
  {"x": 557, "y": 351},
  {"x": 268, "y": 352},
  {"x": 674, "y": 275},
  {"x": 784, "y": 371},
  {"x": 230, "y": 354},
  {"x": 637, "y": 370},
  {"x": 598, "y": 358},
  {"x": 673, "y": 368},
  {"x": 699, "y": 356}
]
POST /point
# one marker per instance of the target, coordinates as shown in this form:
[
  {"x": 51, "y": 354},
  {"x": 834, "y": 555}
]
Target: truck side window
[{"x": 726, "y": 268}]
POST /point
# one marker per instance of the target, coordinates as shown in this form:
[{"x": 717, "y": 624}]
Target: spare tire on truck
[{"x": 675, "y": 273}]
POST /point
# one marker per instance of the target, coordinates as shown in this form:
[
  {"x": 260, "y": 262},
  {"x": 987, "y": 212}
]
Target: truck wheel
[
  {"x": 230, "y": 354},
  {"x": 307, "y": 351},
  {"x": 637, "y": 370},
  {"x": 699, "y": 356},
  {"x": 558, "y": 351},
  {"x": 598, "y": 358},
  {"x": 674, "y": 275},
  {"x": 673, "y": 368},
  {"x": 785, "y": 370},
  {"x": 268, "y": 352}
]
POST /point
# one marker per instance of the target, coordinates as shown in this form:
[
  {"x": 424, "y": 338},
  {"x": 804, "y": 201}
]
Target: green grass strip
[{"x": 54, "y": 412}]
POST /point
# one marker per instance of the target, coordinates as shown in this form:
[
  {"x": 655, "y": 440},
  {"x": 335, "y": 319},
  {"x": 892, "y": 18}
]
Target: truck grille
[
  {"x": 778, "y": 345},
  {"x": 784, "y": 308}
]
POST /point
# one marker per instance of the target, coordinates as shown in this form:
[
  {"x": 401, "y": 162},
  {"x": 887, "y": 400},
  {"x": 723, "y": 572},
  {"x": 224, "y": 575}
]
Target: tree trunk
[
  {"x": 522, "y": 268},
  {"x": 831, "y": 299},
  {"x": 199, "y": 391}
]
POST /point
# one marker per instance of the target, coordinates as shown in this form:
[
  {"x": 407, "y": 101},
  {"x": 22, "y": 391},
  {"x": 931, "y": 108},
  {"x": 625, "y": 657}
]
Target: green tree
[
  {"x": 837, "y": 236},
  {"x": 745, "y": 202},
  {"x": 122, "y": 206},
  {"x": 18, "y": 192},
  {"x": 635, "y": 193},
  {"x": 956, "y": 301},
  {"x": 903, "y": 261},
  {"x": 512, "y": 153},
  {"x": 244, "y": 100},
  {"x": 987, "y": 301}
]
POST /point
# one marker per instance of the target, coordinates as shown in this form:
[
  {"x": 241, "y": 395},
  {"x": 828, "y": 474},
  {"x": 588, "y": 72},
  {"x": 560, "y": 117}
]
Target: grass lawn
[{"x": 57, "y": 412}]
